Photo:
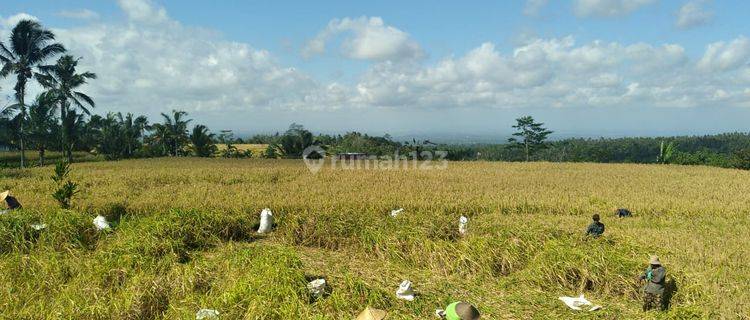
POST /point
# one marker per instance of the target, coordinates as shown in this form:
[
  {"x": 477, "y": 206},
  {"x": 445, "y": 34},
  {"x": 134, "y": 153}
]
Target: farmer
[
  {"x": 596, "y": 228},
  {"x": 10, "y": 201},
  {"x": 654, "y": 289},
  {"x": 459, "y": 311},
  {"x": 623, "y": 213}
]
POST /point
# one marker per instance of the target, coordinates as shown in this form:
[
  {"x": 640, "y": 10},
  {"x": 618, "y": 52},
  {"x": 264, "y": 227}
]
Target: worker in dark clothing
[
  {"x": 655, "y": 277},
  {"x": 596, "y": 228},
  {"x": 623, "y": 213},
  {"x": 9, "y": 200}
]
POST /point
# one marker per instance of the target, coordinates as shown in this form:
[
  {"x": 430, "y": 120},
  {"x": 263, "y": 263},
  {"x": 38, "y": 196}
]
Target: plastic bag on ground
[
  {"x": 462, "y": 225},
  {"x": 576, "y": 303},
  {"x": 405, "y": 291},
  {"x": 266, "y": 221},
  {"x": 317, "y": 288},
  {"x": 101, "y": 223},
  {"x": 207, "y": 314},
  {"x": 396, "y": 212},
  {"x": 39, "y": 226}
]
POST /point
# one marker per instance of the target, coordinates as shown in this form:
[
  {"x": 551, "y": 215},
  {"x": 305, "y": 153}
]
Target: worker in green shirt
[
  {"x": 459, "y": 311},
  {"x": 654, "y": 276},
  {"x": 596, "y": 228}
]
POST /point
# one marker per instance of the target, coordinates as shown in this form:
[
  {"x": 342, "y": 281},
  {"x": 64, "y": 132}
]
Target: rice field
[{"x": 183, "y": 239}]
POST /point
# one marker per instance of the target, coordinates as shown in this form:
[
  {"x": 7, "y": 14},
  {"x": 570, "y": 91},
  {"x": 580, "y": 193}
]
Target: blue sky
[{"x": 585, "y": 67}]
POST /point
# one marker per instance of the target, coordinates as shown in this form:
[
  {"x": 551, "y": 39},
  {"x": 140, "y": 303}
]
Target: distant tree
[
  {"x": 741, "y": 159},
  {"x": 530, "y": 136},
  {"x": 172, "y": 134},
  {"x": 63, "y": 80},
  {"x": 29, "y": 46},
  {"x": 202, "y": 141},
  {"x": 271, "y": 151},
  {"x": 42, "y": 123},
  {"x": 294, "y": 141},
  {"x": 132, "y": 129},
  {"x": 666, "y": 153}
]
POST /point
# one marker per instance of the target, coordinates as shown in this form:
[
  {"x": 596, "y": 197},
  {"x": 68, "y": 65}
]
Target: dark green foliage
[
  {"x": 531, "y": 136},
  {"x": 29, "y": 46},
  {"x": 741, "y": 159},
  {"x": 294, "y": 141},
  {"x": 66, "y": 189},
  {"x": 202, "y": 141},
  {"x": 62, "y": 80}
]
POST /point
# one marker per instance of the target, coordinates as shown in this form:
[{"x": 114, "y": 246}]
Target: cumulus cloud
[
  {"x": 533, "y": 7},
  {"x": 724, "y": 56},
  {"x": 693, "y": 14},
  {"x": 607, "y": 8},
  {"x": 151, "y": 63},
  {"x": 82, "y": 14},
  {"x": 367, "y": 39},
  {"x": 143, "y": 11},
  {"x": 10, "y": 22}
]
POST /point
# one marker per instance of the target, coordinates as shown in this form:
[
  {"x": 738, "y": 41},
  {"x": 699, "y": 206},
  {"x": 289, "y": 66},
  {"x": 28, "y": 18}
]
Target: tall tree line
[{"x": 60, "y": 117}]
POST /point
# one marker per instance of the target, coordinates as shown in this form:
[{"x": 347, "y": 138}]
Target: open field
[
  {"x": 257, "y": 149},
  {"x": 183, "y": 240}
]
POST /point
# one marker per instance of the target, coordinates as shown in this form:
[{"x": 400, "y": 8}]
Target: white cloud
[
  {"x": 554, "y": 73},
  {"x": 150, "y": 63},
  {"x": 724, "y": 56},
  {"x": 82, "y": 14},
  {"x": 143, "y": 11},
  {"x": 533, "y": 7},
  {"x": 607, "y": 8},
  {"x": 368, "y": 39},
  {"x": 160, "y": 65},
  {"x": 693, "y": 14},
  {"x": 10, "y": 22}
]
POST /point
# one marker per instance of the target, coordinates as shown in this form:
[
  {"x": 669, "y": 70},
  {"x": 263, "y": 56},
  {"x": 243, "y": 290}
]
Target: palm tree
[
  {"x": 133, "y": 131},
  {"x": 61, "y": 79},
  {"x": 203, "y": 141},
  {"x": 30, "y": 45},
  {"x": 173, "y": 131},
  {"x": 42, "y": 122}
]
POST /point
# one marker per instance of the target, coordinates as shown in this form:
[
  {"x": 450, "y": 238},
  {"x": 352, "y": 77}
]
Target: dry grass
[{"x": 183, "y": 240}]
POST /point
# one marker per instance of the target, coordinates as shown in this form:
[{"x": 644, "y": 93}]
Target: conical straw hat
[
  {"x": 371, "y": 314},
  {"x": 4, "y": 195},
  {"x": 654, "y": 260}
]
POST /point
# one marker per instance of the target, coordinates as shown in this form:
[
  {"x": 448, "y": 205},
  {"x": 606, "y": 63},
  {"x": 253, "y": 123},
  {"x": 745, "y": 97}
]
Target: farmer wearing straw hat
[
  {"x": 655, "y": 277},
  {"x": 371, "y": 314},
  {"x": 459, "y": 311},
  {"x": 10, "y": 201}
]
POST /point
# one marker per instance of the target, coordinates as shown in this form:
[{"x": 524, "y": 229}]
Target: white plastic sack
[
  {"x": 396, "y": 212},
  {"x": 405, "y": 291},
  {"x": 207, "y": 314},
  {"x": 39, "y": 226},
  {"x": 317, "y": 288},
  {"x": 266, "y": 221},
  {"x": 462, "y": 225},
  {"x": 578, "y": 302},
  {"x": 2, "y": 212},
  {"x": 101, "y": 223}
]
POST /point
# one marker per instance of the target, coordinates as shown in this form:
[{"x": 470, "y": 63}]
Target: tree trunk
[
  {"x": 526, "y": 143},
  {"x": 23, "y": 149},
  {"x": 41, "y": 156},
  {"x": 20, "y": 97}
]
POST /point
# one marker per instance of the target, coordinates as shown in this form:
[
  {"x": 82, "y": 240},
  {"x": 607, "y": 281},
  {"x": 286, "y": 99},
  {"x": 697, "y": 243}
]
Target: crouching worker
[
  {"x": 11, "y": 202},
  {"x": 596, "y": 228},
  {"x": 458, "y": 311},
  {"x": 655, "y": 277}
]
